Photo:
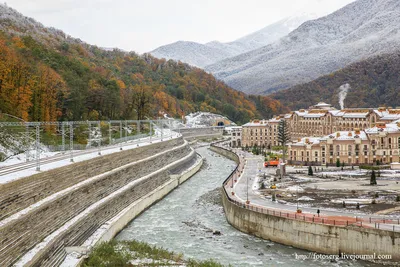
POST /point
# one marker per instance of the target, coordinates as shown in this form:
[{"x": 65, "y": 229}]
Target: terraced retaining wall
[
  {"x": 18, "y": 234},
  {"x": 327, "y": 239}
]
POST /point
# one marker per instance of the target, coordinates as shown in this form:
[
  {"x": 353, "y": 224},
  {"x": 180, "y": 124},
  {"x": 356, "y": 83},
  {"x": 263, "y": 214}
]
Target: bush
[
  {"x": 310, "y": 171},
  {"x": 337, "y": 162},
  {"x": 373, "y": 178}
]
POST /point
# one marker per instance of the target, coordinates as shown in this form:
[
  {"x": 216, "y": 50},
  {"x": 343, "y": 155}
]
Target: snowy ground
[{"x": 203, "y": 119}]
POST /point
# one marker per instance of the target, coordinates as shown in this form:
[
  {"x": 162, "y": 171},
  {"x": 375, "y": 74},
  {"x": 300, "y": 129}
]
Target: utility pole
[
  {"x": 120, "y": 135},
  {"x": 71, "y": 140},
  {"x": 109, "y": 133},
  {"x": 38, "y": 147},
  {"x": 27, "y": 151},
  {"x": 63, "y": 137},
  {"x": 150, "y": 131},
  {"x": 90, "y": 135},
  {"x": 100, "y": 136}
]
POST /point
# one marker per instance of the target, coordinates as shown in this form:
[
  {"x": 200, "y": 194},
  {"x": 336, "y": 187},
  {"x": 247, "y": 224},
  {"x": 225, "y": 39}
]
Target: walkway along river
[{"x": 186, "y": 220}]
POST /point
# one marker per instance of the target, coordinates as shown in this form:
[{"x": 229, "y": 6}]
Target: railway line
[{"x": 6, "y": 170}]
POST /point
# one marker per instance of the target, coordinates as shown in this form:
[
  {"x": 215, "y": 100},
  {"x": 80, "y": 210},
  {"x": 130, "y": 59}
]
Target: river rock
[{"x": 216, "y": 232}]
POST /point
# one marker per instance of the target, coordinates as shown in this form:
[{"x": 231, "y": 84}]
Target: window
[{"x": 316, "y": 153}]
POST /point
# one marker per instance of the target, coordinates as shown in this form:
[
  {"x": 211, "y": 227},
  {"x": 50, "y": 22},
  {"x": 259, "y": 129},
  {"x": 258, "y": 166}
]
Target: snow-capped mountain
[
  {"x": 193, "y": 53},
  {"x": 275, "y": 31},
  {"x": 357, "y": 31},
  {"x": 201, "y": 55}
]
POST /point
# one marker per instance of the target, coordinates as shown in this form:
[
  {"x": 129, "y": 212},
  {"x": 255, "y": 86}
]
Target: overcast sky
[{"x": 143, "y": 25}]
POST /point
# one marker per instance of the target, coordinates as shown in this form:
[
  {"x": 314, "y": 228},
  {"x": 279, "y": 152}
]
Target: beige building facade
[
  {"x": 262, "y": 133},
  {"x": 380, "y": 143},
  {"x": 323, "y": 119}
]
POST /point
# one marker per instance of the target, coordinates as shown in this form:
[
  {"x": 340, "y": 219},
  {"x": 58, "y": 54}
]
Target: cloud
[{"x": 144, "y": 25}]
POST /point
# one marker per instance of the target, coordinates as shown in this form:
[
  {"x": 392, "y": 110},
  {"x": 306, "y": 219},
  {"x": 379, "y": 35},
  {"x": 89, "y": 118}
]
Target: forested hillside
[
  {"x": 374, "y": 82},
  {"x": 47, "y": 75}
]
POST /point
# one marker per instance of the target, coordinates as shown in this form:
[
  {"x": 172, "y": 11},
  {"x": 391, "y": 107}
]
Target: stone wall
[{"x": 20, "y": 234}]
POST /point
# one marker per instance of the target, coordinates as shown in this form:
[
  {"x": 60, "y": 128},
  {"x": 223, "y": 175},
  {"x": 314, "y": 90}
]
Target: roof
[
  {"x": 388, "y": 114},
  {"x": 256, "y": 123},
  {"x": 346, "y": 135},
  {"x": 390, "y": 128},
  {"x": 303, "y": 141}
]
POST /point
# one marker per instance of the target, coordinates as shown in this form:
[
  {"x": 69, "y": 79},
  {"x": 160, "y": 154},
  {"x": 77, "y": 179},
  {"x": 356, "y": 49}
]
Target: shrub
[
  {"x": 310, "y": 171},
  {"x": 337, "y": 162},
  {"x": 373, "y": 178}
]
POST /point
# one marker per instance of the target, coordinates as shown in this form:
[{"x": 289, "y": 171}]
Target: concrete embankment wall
[
  {"x": 137, "y": 196},
  {"x": 327, "y": 239},
  {"x": 201, "y": 133},
  {"x": 228, "y": 154},
  {"x": 21, "y": 231},
  {"x": 126, "y": 216}
]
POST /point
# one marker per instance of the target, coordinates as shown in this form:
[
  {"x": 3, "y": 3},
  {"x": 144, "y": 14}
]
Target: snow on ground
[
  {"x": 352, "y": 200},
  {"x": 21, "y": 158},
  {"x": 78, "y": 158},
  {"x": 294, "y": 189},
  {"x": 346, "y": 173},
  {"x": 305, "y": 198},
  {"x": 203, "y": 119},
  {"x": 71, "y": 260}
]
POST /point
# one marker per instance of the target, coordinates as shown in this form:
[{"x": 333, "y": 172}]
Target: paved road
[{"x": 246, "y": 189}]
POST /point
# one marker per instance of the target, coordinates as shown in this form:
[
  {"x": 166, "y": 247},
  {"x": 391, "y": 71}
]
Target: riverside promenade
[{"x": 332, "y": 232}]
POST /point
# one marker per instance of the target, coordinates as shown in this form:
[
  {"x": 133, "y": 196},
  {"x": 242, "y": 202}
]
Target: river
[{"x": 184, "y": 222}]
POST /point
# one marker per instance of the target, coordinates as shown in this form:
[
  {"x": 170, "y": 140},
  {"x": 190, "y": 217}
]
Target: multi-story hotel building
[
  {"x": 322, "y": 119},
  {"x": 379, "y": 143},
  {"x": 360, "y": 135},
  {"x": 263, "y": 133}
]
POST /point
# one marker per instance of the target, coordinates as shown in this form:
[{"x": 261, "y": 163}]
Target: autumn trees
[{"x": 76, "y": 81}]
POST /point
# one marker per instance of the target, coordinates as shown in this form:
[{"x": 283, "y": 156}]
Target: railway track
[{"x": 6, "y": 170}]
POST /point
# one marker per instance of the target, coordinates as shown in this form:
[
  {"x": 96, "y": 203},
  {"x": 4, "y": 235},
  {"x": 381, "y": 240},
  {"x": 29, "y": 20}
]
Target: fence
[
  {"x": 388, "y": 224},
  {"x": 33, "y": 139}
]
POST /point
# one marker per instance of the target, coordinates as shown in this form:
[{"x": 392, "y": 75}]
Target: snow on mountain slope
[
  {"x": 359, "y": 30},
  {"x": 275, "y": 31},
  {"x": 193, "y": 53},
  {"x": 201, "y": 55}
]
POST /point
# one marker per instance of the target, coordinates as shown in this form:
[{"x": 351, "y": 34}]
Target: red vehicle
[{"x": 272, "y": 163}]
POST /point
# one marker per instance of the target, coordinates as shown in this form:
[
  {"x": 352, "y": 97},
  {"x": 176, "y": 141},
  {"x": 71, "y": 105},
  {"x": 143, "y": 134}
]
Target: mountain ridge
[
  {"x": 374, "y": 82},
  {"x": 201, "y": 55},
  {"x": 357, "y": 31}
]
